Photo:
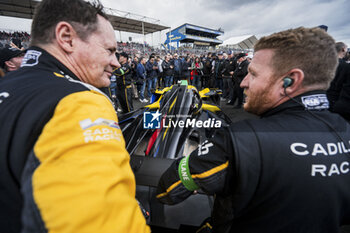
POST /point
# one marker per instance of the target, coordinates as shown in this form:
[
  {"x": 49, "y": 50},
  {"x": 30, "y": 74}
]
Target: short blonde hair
[{"x": 310, "y": 49}]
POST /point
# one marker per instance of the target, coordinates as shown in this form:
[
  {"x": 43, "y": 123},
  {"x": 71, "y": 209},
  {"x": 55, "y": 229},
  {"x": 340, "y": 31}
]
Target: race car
[{"x": 178, "y": 119}]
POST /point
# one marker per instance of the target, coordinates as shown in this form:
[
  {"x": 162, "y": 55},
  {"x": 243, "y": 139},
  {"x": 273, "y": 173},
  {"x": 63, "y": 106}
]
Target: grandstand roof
[
  {"x": 219, "y": 31},
  {"x": 241, "y": 42},
  {"x": 121, "y": 21}
]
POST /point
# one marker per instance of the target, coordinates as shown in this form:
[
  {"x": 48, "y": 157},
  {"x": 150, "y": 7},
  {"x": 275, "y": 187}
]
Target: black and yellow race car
[{"x": 178, "y": 119}]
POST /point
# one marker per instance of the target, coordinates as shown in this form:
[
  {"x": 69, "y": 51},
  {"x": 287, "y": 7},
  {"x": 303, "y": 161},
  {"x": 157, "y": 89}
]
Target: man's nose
[{"x": 115, "y": 63}]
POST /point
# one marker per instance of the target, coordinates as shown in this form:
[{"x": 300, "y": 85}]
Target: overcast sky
[{"x": 236, "y": 17}]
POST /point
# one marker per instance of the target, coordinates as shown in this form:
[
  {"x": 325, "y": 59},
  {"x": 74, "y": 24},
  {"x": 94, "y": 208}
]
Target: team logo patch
[
  {"x": 87, "y": 123},
  {"x": 319, "y": 101},
  {"x": 151, "y": 120},
  {"x": 31, "y": 58},
  {"x": 102, "y": 133}
]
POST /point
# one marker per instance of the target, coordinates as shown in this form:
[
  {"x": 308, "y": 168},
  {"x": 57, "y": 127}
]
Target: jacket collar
[
  {"x": 308, "y": 101},
  {"x": 41, "y": 59}
]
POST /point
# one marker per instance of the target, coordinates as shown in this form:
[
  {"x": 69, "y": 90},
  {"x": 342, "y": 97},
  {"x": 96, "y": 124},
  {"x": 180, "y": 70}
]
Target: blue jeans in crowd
[
  {"x": 195, "y": 81},
  {"x": 152, "y": 83},
  {"x": 168, "y": 81},
  {"x": 142, "y": 90}
]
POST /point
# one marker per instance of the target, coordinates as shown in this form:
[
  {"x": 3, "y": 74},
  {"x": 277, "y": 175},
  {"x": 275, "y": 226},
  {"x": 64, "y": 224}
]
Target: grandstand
[
  {"x": 21, "y": 39},
  {"x": 121, "y": 21},
  {"x": 191, "y": 36}
]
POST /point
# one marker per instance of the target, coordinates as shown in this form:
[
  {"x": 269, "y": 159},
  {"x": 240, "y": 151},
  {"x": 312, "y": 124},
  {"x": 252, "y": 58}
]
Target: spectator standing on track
[
  {"x": 160, "y": 72},
  {"x": 218, "y": 67},
  {"x": 338, "y": 93},
  {"x": 240, "y": 72},
  {"x": 226, "y": 76},
  {"x": 142, "y": 79},
  {"x": 197, "y": 72},
  {"x": 177, "y": 67},
  {"x": 232, "y": 66},
  {"x": 152, "y": 75},
  {"x": 168, "y": 71},
  {"x": 133, "y": 66},
  {"x": 207, "y": 72},
  {"x": 186, "y": 69}
]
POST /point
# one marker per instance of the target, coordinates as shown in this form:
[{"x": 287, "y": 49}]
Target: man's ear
[
  {"x": 297, "y": 77},
  {"x": 10, "y": 64},
  {"x": 65, "y": 34}
]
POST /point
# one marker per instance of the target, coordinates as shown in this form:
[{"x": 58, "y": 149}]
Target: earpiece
[{"x": 287, "y": 82}]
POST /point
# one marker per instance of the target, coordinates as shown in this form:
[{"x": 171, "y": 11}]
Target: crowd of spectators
[
  {"x": 134, "y": 47},
  {"x": 200, "y": 67},
  {"x": 222, "y": 70},
  {"x": 19, "y": 39},
  {"x": 22, "y": 39}
]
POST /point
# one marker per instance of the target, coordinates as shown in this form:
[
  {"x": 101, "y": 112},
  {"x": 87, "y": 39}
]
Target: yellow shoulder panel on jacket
[{"x": 84, "y": 182}]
